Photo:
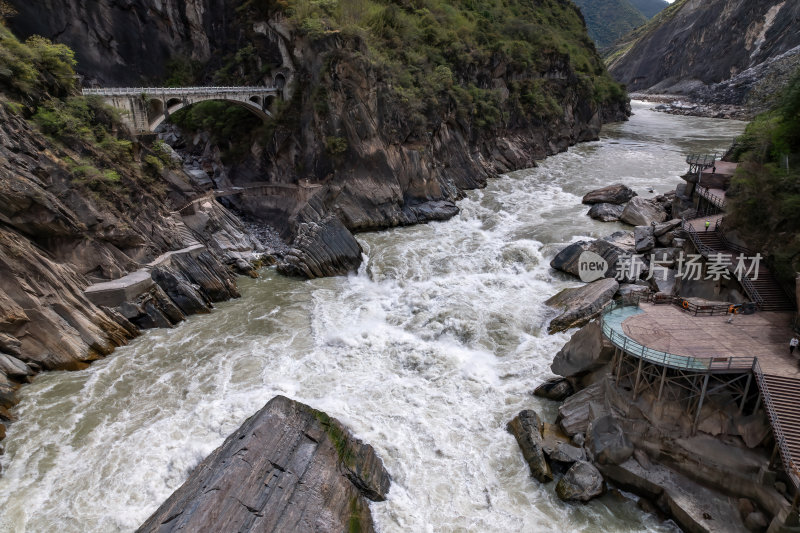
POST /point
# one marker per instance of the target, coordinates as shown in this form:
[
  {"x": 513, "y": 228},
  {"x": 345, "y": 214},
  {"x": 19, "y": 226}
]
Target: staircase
[
  {"x": 780, "y": 396},
  {"x": 765, "y": 290}
]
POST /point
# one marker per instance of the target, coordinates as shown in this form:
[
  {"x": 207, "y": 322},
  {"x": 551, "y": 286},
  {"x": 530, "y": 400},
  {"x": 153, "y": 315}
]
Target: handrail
[
  {"x": 780, "y": 439},
  {"x": 111, "y": 91},
  {"x": 706, "y": 251},
  {"x": 715, "y": 200}
]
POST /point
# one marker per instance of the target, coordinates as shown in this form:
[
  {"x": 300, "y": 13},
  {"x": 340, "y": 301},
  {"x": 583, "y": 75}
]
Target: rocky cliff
[
  {"x": 392, "y": 115},
  {"x": 287, "y": 468},
  {"x": 716, "y": 51}
]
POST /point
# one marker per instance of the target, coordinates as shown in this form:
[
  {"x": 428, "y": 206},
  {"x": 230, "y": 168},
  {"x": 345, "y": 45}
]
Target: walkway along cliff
[{"x": 674, "y": 393}]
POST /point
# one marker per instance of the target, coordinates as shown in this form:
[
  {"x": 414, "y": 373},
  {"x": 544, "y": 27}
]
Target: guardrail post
[{"x": 638, "y": 377}]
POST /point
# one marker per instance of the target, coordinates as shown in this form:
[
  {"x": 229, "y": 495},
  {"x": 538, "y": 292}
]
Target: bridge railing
[{"x": 113, "y": 91}]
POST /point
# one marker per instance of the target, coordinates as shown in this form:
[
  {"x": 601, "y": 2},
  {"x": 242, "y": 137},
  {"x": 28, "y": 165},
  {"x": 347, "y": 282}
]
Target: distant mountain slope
[
  {"x": 608, "y": 20},
  {"x": 649, "y": 8},
  {"x": 712, "y": 48}
]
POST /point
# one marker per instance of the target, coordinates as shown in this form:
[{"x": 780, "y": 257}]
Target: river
[{"x": 426, "y": 354}]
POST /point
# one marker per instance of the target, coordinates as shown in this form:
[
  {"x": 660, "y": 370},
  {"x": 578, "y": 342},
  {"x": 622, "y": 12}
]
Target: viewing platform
[{"x": 695, "y": 352}]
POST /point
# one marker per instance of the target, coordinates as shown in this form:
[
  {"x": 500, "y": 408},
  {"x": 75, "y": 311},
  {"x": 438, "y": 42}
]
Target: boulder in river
[
  {"x": 585, "y": 351},
  {"x": 557, "y": 389},
  {"x": 287, "y": 468},
  {"x": 606, "y": 212},
  {"x": 527, "y": 429},
  {"x": 581, "y": 483},
  {"x": 579, "y": 305},
  {"x": 643, "y": 212},
  {"x": 612, "y": 194}
]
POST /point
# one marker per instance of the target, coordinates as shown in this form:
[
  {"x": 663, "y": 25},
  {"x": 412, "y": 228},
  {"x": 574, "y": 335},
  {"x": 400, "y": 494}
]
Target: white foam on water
[{"x": 426, "y": 354}]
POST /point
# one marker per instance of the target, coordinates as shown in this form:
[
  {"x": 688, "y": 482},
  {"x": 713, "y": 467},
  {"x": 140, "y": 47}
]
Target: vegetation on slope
[
  {"x": 608, "y": 20},
  {"x": 649, "y": 8},
  {"x": 38, "y": 83},
  {"x": 764, "y": 196},
  {"x": 437, "y": 57},
  {"x": 624, "y": 44}
]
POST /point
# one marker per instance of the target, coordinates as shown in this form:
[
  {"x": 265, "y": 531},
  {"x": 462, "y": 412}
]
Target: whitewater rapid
[{"x": 426, "y": 353}]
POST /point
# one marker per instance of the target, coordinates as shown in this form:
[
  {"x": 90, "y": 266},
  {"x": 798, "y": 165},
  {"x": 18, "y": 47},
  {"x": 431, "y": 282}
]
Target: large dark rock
[
  {"x": 568, "y": 259},
  {"x": 323, "y": 246},
  {"x": 607, "y": 442},
  {"x": 643, "y": 212},
  {"x": 585, "y": 351},
  {"x": 581, "y": 483},
  {"x": 581, "y": 304},
  {"x": 613, "y": 194},
  {"x": 527, "y": 429},
  {"x": 606, "y": 212},
  {"x": 645, "y": 239},
  {"x": 287, "y": 468},
  {"x": 557, "y": 389}
]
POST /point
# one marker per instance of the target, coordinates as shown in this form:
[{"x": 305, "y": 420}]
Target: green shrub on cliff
[
  {"x": 764, "y": 198},
  {"x": 36, "y": 67}
]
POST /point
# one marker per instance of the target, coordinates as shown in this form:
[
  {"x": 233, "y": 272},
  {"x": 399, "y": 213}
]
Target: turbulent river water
[{"x": 426, "y": 354}]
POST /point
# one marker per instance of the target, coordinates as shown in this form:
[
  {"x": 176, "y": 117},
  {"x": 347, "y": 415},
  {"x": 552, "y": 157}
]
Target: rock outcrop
[
  {"x": 287, "y": 468},
  {"x": 581, "y": 304},
  {"x": 612, "y": 194},
  {"x": 585, "y": 351},
  {"x": 606, "y": 212}
]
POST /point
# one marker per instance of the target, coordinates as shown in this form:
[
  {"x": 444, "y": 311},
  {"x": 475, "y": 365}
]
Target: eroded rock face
[
  {"x": 581, "y": 304},
  {"x": 287, "y": 468},
  {"x": 527, "y": 429},
  {"x": 585, "y": 351},
  {"x": 643, "y": 212},
  {"x": 613, "y": 194},
  {"x": 607, "y": 441},
  {"x": 568, "y": 259}
]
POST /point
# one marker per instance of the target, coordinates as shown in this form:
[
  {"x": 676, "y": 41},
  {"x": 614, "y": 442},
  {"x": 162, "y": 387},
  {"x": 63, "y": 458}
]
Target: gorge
[{"x": 399, "y": 352}]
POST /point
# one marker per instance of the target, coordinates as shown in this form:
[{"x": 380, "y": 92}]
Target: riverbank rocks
[
  {"x": 606, "y": 212},
  {"x": 581, "y": 304},
  {"x": 527, "y": 429},
  {"x": 581, "y": 483},
  {"x": 556, "y": 389},
  {"x": 645, "y": 239},
  {"x": 585, "y": 351},
  {"x": 643, "y": 212},
  {"x": 568, "y": 259},
  {"x": 287, "y": 468},
  {"x": 612, "y": 194},
  {"x": 607, "y": 442}
]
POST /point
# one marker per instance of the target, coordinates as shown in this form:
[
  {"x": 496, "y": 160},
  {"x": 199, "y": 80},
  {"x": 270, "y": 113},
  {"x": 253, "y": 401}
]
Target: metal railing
[
  {"x": 691, "y": 307},
  {"x": 780, "y": 438},
  {"x": 702, "y": 160},
  {"x": 713, "y": 199},
  {"x": 670, "y": 360},
  {"x": 113, "y": 91}
]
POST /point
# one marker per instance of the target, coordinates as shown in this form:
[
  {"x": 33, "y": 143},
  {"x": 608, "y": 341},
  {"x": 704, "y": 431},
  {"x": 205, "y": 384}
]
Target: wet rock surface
[
  {"x": 287, "y": 468},
  {"x": 581, "y": 304},
  {"x": 527, "y": 429},
  {"x": 581, "y": 483},
  {"x": 612, "y": 194}
]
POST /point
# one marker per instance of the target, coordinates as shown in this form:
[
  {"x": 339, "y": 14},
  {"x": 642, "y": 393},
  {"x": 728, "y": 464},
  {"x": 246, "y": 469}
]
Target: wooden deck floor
[{"x": 764, "y": 335}]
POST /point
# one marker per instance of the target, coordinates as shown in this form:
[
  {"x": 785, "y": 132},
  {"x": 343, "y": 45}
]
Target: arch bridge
[{"x": 145, "y": 108}]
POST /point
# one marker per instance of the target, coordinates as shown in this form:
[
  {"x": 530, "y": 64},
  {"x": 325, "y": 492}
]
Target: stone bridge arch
[{"x": 144, "y": 109}]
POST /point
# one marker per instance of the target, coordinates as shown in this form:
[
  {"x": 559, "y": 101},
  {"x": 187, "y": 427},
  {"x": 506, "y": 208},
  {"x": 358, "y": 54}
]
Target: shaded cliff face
[
  {"x": 698, "y": 43},
  {"x": 127, "y": 42}
]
